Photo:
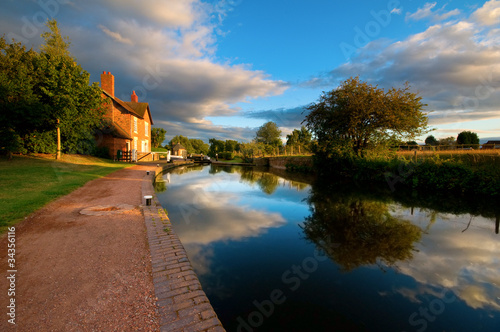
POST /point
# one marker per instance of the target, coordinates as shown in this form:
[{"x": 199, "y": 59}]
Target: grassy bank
[
  {"x": 29, "y": 183},
  {"x": 464, "y": 174}
]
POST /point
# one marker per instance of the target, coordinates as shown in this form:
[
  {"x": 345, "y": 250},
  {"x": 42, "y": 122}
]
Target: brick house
[
  {"x": 179, "y": 150},
  {"x": 128, "y": 123}
]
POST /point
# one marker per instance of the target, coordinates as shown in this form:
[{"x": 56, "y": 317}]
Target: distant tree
[
  {"x": 357, "y": 114},
  {"x": 216, "y": 147},
  {"x": 230, "y": 145},
  {"x": 199, "y": 146},
  {"x": 184, "y": 142},
  {"x": 468, "y": 138},
  {"x": 300, "y": 139},
  {"x": 450, "y": 141},
  {"x": 269, "y": 134},
  {"x": 157, "y": 136},
  {"x": 431, "y": 140}
]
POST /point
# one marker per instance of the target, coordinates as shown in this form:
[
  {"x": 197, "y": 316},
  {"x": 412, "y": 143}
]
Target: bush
[
  {"x": 40, "y": 142},
  {"x": 226, "y": 155}
]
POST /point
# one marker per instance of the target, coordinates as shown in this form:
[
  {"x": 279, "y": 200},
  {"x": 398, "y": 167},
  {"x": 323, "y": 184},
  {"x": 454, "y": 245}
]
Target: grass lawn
[
  {"x": 29, "y": 183},
  {"x": 159, "y": 150}
]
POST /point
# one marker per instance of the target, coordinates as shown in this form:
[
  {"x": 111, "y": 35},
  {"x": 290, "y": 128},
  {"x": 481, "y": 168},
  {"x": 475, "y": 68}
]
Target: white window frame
[
  {"x": 135, "y": 124},
  {"x": 135, "y": 143}
]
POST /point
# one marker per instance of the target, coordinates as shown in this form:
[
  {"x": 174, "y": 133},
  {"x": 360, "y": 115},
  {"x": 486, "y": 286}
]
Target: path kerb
[{"x": 182, "y": 303}]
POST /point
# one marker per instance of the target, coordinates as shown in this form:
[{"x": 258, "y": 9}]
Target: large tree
[
  {"x": 431, "y": 140},
  {"x": 357, "y": 114},
  {"x": 468, "y": 138},
  {"x": 269, "y": 134},
  {"x": 75, "y": 107},
  {"x": 157, "y": 136},
  {"x": 41, "y": 93}
]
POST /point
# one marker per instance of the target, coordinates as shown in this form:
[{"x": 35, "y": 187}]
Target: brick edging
[{"x": 182, "y": 304}]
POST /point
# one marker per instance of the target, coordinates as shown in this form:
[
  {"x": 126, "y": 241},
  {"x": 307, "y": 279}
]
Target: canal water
[{"x": 274, "y": 253}]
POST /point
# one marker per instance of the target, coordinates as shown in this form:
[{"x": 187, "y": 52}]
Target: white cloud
[
  {"x": 453, "y": 65},
  {"x": 454, "y": 261},
  {"x": 427, "y": 13},
  {"x": 489, "y": 14},
  {"x": 165, "y": 50},
  {"x": 422, "y": 13},
  {"x": 397, "y": 11},
  {"x": 171, "y": 13},
  {"x": 115, "y": 35}
]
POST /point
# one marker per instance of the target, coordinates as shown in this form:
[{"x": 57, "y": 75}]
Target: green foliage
[
  {"x": 450, "y": 141},
  {"x": 40, "y": 142},
  {"x": 357, "y": 115},
  {"x": 157, "y": 137},
  {"x": 354, "y": 232},
  {"x": 199, "y": 146},
  {"x": 226, "y": 155},
  {"x": 216, "y": 146},
  {"x": 431, "y": 140},
  {"x": 468, "y": 138},
  {"x": 55, "y": 45},
  {"x": 269, "y": 134},
  {"x": 230, "y": 145},
  {"x": 299, "y": 140},
  {"x": 38, "y": 90},
  {"x": 184, "y": 142},
  {"x": 431, "y": 174}
]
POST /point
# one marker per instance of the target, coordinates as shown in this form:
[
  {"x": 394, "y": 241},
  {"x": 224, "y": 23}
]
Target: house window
[
  {"x": 135, "y": 143},
  {"x": 135, "y": 124},
  {"x": 146, "y": 131}
]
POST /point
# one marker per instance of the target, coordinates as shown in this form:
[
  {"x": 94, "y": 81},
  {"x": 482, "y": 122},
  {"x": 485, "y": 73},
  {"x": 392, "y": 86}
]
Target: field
[
  {"x": 473, "y": 158},
  {"x": 29, "y": 183}
]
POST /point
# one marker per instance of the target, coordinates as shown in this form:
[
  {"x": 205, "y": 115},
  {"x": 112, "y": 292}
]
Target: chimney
[
  {"x": 134, "y": 97},
  {"x": 108, "y": 83}
]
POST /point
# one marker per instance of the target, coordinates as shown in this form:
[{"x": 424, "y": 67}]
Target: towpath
[{"x": 98, "y": 259}]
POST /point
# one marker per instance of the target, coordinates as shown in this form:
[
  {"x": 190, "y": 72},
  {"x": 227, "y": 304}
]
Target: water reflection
[
  {"x": 355, "y": 232},
  {"x": 389, "y": 255}
]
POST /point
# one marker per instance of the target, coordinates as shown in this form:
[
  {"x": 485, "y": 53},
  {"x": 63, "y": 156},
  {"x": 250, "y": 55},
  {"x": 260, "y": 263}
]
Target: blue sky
[{"x": 223, "y": 68}]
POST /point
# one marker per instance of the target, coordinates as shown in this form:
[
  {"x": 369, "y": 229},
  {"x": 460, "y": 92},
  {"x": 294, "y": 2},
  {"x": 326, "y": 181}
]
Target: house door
[{"x": 128, "y": 146}]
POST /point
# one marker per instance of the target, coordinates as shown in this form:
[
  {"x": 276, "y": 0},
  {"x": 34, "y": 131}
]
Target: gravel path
[{"x": 81, "y": 272}]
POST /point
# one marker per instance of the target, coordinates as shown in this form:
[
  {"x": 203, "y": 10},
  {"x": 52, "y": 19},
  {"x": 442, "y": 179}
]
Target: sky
[{"x": 222, "y": 68}]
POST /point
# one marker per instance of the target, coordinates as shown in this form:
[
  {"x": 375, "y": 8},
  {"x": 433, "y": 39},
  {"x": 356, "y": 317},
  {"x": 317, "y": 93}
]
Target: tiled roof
[
  {"x": 140, "y": 109},
  {"x": 137, "y": 109},
  {"x": 178, "y": 146}
]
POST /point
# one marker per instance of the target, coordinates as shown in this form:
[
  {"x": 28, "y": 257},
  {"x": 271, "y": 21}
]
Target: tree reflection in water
[{"x": 355, "y": 232}]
